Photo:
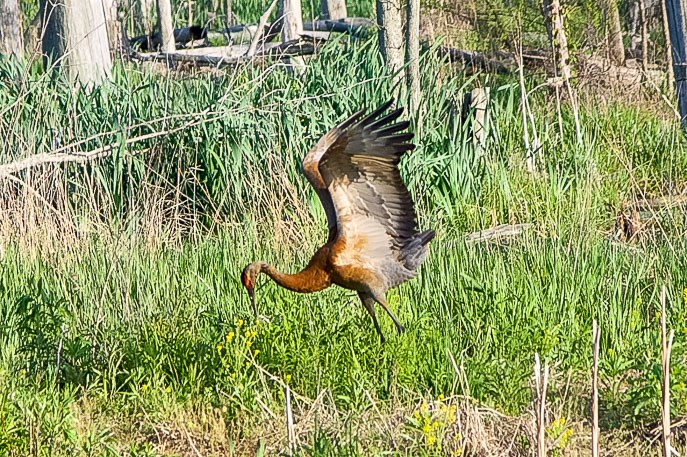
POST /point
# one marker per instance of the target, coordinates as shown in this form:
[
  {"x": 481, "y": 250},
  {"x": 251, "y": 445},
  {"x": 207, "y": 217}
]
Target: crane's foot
[{"x": 400, "y": 328}]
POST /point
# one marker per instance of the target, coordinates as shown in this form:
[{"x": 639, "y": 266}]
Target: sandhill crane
[{"x": 373, "y": 242}]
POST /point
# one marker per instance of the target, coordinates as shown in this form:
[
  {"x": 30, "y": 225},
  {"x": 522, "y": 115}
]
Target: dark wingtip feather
[
  {"x": 426, "y": 236},
  {"x": 374, "y": 114},
  {"x": 387, "y": 119},
  {"x": 351, "y": 120},
  {"x": 402, "y": 137},
  {"x": 355, "y": 118}
]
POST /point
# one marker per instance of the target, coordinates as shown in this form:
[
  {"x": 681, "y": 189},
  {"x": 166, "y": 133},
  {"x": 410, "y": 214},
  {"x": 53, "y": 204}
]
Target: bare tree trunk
[
  {"x": 645, "y": 35},
  {"x": 32, "y": 38},
  {"x": 669, "y": 50},
  {"x": 147, "y": 7},
  {"x": 615, "y": 33},
  {"x": 293, "y": 28},
  {"x": 559, "y": 42},
  {"x": 230, "y": 13},
  {"x": 115, "y": 33},
  {"x": 390, "y": 23},
  {"x": 677, "y": 26},
  {"x": 190, "y": 12},
  {"x": 413, "y": 52},
  {"x": 333, "y": 9},
  {"x": 10, "y": 28},
  {"x": 164, "y": 20},
  {"x": 75, "y": 38},
  {"x": 633, "y": 25}
]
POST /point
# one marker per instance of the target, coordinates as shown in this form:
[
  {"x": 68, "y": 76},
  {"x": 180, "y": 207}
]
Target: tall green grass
[{"x": 119, "y": 287}]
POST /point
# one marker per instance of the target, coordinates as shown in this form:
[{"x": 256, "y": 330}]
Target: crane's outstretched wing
[{"x": 354, "y": 170}]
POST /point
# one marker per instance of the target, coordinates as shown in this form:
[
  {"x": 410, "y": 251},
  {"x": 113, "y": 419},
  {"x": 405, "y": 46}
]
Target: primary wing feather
[{"x": 357, "y": 164}]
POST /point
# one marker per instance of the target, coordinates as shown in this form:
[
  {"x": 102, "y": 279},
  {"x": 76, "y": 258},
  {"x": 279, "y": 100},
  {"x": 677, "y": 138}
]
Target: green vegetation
[{"x": 125, "y": 329}]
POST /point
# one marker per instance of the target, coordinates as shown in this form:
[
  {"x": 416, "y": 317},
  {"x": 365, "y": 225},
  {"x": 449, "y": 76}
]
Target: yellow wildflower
[
  {"x": 220, "y": 346},
  {"x": 684, "y": 294},
  {"x": 441, "y": 397},
  {"x": 144, "y": 387},
  {"x": 256, "y": 352},
  {"x": 239, "y": 323},
  {"x": 229, "y": 337},
  {"x": 564, "y": 438},
  {"x": 287, "y": 378},
  {"x": 424, "y": 408}
]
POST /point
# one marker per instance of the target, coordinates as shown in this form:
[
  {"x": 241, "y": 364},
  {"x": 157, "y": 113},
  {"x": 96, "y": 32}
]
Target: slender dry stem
[
  {"x": 666, "y": 345},
  {"x": 596, "y": 335}
]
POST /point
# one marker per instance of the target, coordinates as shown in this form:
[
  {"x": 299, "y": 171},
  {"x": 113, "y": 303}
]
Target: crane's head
[{"x": 248, "y": 278}]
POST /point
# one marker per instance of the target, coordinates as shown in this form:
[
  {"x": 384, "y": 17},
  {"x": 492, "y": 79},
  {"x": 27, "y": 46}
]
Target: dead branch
[
  {"x": 261, "y": 26},
  {"x": 501, "y": 231},
  {"x": 8, "y": 170}
]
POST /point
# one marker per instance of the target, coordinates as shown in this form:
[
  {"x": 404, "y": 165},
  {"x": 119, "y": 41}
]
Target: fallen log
[
  {"x": 181, "y": 37},
  {"x": 241, "y": 34},
  {"x": 223, "y": 56},
  {"x": 498, "y": 62}
]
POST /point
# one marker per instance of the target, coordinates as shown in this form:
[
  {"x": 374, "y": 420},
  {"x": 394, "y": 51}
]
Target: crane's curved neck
[{"x": 312, "y": 278}]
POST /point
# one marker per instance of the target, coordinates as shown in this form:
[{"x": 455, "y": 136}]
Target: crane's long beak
[{"x": 251, "y": 294}]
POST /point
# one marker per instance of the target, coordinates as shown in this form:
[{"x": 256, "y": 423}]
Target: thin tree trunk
[
  {"x": 390, "y": 23},
  {"x": 164, "y": 19},
  {"x": 230, "y": 13},
  {"x": 75, "y": 38},
  {"x": 413, "y": 52},
  {"x": 559, "y": 42},
  {"x": 147, "y": 15},
  {"x": 32, "y": 39},
  {"x": 678, "y": 32},
  {"x": 115, "y": 33},
  {"x": 10, "y": 28},
  {"x": 634, "y": 25},
  {"x": 615, "y": 33},
  {"x": 559, "y": 45},
  {"x": 190, "y": 12},
  {"x": 645, "y": 36},
  {"x": 293, "y": 28},
  {"x": 669, "y": 50},
  {"x": 333, "y": 9}
]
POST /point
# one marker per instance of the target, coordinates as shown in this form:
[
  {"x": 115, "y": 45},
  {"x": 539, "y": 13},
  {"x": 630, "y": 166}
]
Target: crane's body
[{"x": 373, "y": 243}]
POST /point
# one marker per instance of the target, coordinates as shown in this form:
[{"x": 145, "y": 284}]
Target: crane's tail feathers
[{"x": 414, "y": 251}]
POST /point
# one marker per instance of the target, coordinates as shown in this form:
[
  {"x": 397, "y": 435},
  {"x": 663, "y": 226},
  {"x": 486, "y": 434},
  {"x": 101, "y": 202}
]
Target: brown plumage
[{"x": 373, "y": 243}]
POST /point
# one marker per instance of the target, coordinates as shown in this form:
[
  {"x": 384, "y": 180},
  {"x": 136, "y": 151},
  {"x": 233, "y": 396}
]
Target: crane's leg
[
  {"x": 381, "y": 299},
  {"x": 369, "y": 304}
]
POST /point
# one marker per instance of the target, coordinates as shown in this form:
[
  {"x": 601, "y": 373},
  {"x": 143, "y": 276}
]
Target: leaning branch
[
  {"x": 12, "y": 168},
  {"x": 261, "y": 27}
]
